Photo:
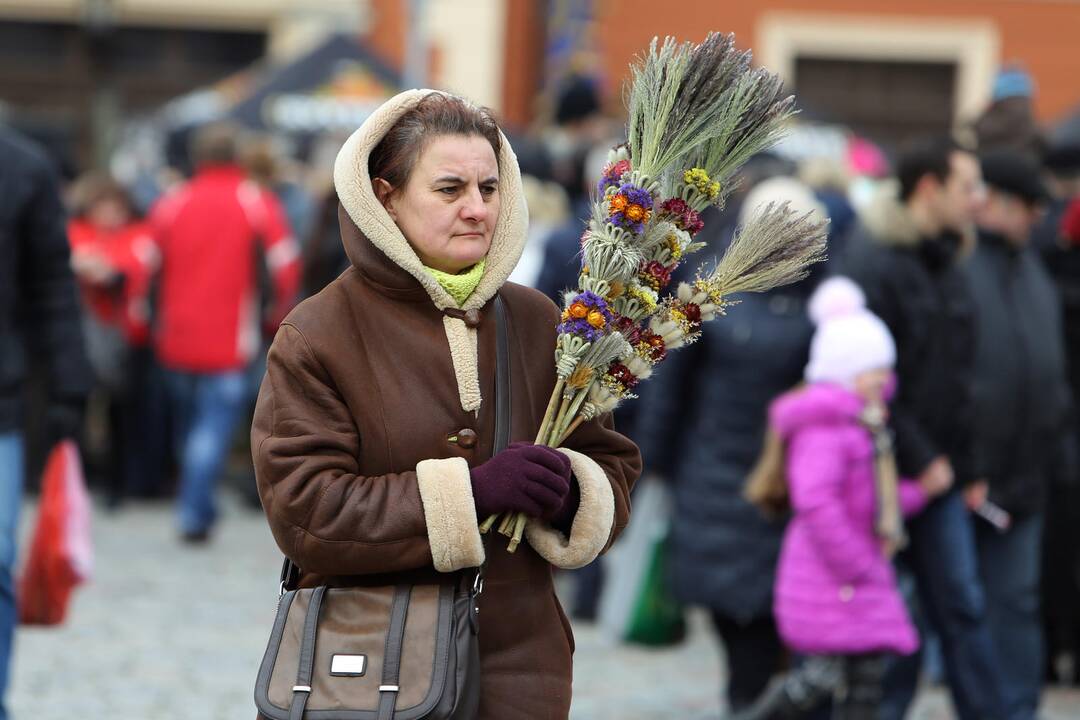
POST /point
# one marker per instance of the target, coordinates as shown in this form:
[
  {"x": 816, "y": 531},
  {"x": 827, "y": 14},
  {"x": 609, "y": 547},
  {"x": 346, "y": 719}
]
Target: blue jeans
[
  {"x": 942, "y": 556},
  {"x": 11, "y": 483},
  {"x": 1009, "y": 563},
  {"x": 207, "y": 407}
]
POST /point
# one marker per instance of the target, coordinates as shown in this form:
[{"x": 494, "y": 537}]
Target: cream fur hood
[{"x": 354, "y": 189}]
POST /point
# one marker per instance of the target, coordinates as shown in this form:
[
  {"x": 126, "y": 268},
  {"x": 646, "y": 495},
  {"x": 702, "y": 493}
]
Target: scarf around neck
[{"x": 459, "y": 285}]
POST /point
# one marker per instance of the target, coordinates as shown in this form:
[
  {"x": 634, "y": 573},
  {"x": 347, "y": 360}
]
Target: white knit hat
[{"x": 849, "y": 338}]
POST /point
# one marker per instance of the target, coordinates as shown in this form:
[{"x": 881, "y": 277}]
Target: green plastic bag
[
  {"x": 657, "y": 617},
  {"x": 637, "y": 604}
]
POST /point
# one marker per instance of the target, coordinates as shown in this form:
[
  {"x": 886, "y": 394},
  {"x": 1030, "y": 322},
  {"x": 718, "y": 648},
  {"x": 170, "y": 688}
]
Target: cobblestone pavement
[{"x": 168, "y": 632}]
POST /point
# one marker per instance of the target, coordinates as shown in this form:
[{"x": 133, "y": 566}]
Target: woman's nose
[{"x": 474, "y": 207}]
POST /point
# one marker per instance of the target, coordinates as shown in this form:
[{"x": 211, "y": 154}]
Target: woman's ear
[{"x": 384, "y": 192}]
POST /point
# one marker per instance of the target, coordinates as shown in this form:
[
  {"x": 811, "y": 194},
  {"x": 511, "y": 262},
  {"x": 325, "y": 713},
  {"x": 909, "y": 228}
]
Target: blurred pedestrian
[
  {"x": 1021, "y": 404},
  {"x": 39, "y": 319},
  {"x": 268, "y": 164},
  {"x": 829, "y": 459},
  {"x": 208, "y": 325},
  {"x": 905, "y": 254},
  {"x": 323, "y": 255},
  {"x": 829, "y": 180},
  {"x": 1008, "y": 122},
  {"x": 374, "y": 429},
  {"x": 1059, "y": 243},
  {"x": 114, "y": 258},
  {"x": 703, "y": 432}
]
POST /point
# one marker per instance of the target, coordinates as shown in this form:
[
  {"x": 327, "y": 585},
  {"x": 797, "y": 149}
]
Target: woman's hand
[
  {"x": 527, "y": 478},
  {"x": 93, "y": 268},
  {"x": 937, "y": 478}
]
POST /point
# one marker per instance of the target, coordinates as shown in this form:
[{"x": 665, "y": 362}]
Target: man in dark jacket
[
  {"x": 39, "y": 317},
  {"x": 1059, "y": 244},
  {"x": 905, "y": 255},
  {"x": 1021, "y": 397}
]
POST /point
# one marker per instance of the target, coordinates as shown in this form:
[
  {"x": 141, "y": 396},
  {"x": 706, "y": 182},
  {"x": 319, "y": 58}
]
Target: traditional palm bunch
[{"x": 696, "y": 114}]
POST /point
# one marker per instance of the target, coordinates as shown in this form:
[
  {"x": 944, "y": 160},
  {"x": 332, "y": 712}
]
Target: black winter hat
[
  {"x": 1014, "y": 173},
  {"x": 578, "y": 99}
]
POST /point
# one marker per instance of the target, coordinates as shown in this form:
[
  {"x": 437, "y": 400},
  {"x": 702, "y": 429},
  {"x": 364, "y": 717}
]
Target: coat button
[
  {"x": 465, "y": 438},
  {"x": 472, "y": 318},
  {"x": 846, "y": 593}
]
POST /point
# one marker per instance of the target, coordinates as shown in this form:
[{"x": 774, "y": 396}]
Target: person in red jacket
[
  {"x": 114, "y": 258},
  {"x": 213, "y": 233}
]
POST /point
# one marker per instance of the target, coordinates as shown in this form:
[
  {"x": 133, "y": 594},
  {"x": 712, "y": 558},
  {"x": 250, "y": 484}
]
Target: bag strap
[
  {"x": 290, "y": 573},
  {"x": 395, "y": 639},
  {"x": 302, "y": 688},
  {"x": 502, "y": 379}
]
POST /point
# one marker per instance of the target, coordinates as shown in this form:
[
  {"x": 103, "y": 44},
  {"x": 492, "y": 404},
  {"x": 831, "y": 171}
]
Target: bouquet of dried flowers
[{"x": 696, "y": 114}]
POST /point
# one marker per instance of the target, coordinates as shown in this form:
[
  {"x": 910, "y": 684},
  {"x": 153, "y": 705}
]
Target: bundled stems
[
  {"x": 509, "y": 521},
  {"x": 696, "y": 112},
  {"x": 556, "y": 427}
]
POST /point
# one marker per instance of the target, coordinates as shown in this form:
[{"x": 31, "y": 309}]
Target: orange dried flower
[
  {"x": 579, "y": 310},
  {"x": 596, "y": 319}
]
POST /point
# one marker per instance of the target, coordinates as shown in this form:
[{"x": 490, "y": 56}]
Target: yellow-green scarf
[{"x": 461, "y": 285}]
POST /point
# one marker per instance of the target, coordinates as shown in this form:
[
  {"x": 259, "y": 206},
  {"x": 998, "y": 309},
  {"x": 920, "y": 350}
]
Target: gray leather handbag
[{"x": 404, "y": 651}]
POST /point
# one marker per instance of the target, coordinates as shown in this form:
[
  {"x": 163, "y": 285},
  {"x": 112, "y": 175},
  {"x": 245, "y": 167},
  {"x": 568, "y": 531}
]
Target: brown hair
[
  {"x": 95, "y": 187},
  {"x": 767, "y": 485},
  {"x": 215, "y": 144},
  {"x": 436, "y": 114}
]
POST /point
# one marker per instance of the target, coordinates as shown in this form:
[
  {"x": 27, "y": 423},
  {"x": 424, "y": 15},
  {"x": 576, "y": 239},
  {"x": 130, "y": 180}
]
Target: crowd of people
[
  {"x": 939, "y": 347},
  {"x": 962, "y": 272}
]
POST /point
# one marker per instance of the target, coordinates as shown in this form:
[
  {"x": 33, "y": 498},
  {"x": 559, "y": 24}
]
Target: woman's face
[
  {"x": 448, "y": 208},
  {"x": 108, "y": 214},
  {"x": 871, "y": 385}
]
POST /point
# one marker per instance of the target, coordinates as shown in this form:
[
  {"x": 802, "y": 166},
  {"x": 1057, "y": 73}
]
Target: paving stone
[{"x": 173, "y": 632}]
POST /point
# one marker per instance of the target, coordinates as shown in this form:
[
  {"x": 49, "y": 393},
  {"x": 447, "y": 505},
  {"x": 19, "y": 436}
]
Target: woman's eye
[
  {"x": 448, "y": 190},
  {"x": 488, "y": 190}
]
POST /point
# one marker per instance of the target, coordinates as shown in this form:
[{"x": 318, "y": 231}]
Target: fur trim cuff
[
  {"x": 592, "y": 525},
  {"x": 450, "y": 513}
]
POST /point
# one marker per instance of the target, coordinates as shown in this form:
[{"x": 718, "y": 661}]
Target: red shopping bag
[{"x": 61, "y": 554}]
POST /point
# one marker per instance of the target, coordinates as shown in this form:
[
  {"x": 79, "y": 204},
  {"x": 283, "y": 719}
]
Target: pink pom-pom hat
[{"x": 849, "y": 338}]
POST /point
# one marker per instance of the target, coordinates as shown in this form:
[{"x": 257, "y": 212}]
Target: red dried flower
[
  {"x": 654, "y": 345},
  {"x": 621, "y": 374},
  {"x": 693, "y": 314},
  {"x": 692, "y": 222},
  {"x": 655, "y": 275}
]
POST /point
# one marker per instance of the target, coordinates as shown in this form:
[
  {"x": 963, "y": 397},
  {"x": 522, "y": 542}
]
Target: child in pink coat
[{"x": 836, "y": 600}]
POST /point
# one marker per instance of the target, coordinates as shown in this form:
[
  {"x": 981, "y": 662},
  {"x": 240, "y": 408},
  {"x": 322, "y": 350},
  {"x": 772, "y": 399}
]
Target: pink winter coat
[{"x": 835, "y": 591}]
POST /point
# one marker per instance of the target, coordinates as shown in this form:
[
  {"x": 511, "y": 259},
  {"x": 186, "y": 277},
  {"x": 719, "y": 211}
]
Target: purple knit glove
[{"x": 524, "y": 478}]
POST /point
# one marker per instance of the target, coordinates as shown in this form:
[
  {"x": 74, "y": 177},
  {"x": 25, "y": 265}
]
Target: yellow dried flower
[
  {"x": 674, "y": 247},
  {"x": 648, "y": 300},
  {"x": 699, "y": 179}
]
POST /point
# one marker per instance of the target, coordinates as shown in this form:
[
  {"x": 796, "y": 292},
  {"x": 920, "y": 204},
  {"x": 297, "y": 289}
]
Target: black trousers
[
  {"x": 846, "y": 687},
  {"x": 754, "y": 654}
]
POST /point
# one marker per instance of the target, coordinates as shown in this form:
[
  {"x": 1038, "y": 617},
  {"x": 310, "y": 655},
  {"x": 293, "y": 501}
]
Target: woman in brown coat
[{"x": 374, "y": 427}]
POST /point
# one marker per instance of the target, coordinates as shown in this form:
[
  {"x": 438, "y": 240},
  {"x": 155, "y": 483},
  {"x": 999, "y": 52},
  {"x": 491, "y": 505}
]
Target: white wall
[{"x": 470, "y": 37}]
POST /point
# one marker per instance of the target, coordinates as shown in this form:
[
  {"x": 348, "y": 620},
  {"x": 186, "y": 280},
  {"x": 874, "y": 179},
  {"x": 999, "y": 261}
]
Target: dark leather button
[
  {"x": 471, "y": 318},
  {"x": 465, "y": 438}
]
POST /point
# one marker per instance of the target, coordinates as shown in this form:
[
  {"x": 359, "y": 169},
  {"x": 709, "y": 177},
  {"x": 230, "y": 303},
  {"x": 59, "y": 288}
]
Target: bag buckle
[{"x": 478, "y": 584}]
